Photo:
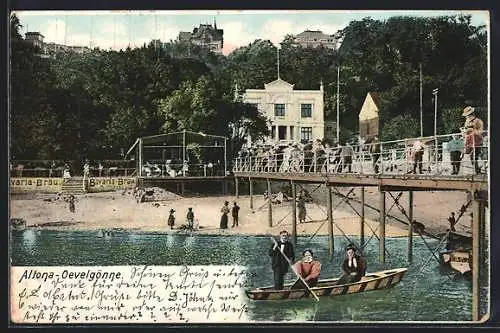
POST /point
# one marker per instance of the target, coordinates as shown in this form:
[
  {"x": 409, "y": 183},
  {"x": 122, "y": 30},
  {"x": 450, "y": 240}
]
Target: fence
[{"x": 393, "y": 158}]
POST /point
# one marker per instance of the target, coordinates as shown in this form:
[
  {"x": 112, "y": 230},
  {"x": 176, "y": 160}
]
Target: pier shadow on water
[{"x": 425, "y": 294}]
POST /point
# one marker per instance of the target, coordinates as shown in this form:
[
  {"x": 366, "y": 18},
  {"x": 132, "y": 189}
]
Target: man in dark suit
[{"x": 279, "y": 263}]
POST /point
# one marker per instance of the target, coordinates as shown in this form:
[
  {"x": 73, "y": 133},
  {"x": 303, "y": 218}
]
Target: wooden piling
[
  {"x": 382, "y": 227},
  {"x": 478, "y": 220},
  {"x": 236, "y": 187},
  {"x": 251, "y": 192},
  {"x": 269, "y": 204},
  {"x": 183, "y": 188},
  {"x": 362, "y": 219},
  {"x": 294, "y": 212},
  {"x": 410, "y": 226},
  {"x": 331, "y": 244}
]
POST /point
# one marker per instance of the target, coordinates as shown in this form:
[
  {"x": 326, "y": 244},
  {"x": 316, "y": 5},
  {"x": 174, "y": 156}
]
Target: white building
[
  {"x": 316, "y": 38},
  {"x": 294, "y": 115}
]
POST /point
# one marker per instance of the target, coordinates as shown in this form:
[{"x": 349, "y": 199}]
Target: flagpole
[{"x": 421, "y": 112}]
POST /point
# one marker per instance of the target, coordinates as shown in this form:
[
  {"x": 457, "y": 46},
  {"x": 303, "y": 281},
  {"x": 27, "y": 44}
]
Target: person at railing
[
  {"x": 86, "y": 170},
  {"x": 456, "y": 148},
  {"x": 473, "y": 128},
  {"x": 337, "y": 152},
  {"x": 375, "y": 152},
  {"x": 100, "y": 167},
  {"x": 52, "y": 167},
  {"x": 347, "y": 153},
  {"x": 320, "y": 155},
  {"x": 308, "y": 156},
  {"x": 418, "y": 154},
  {"x": 66, "y": 172},
  {"x": 295, "y": 158}
]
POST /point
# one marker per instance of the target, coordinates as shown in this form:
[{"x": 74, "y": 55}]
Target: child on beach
[
  {"x": 190, "y": 218},
  {"x": 71, "y": 201},
  {"x": 171, "y": 219}
]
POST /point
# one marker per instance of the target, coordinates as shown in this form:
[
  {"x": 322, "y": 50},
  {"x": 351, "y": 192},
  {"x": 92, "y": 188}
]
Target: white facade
[{"x": 294, "y": 115}]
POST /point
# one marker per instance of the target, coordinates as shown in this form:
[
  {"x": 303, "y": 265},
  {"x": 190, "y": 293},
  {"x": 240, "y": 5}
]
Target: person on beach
[
  {"x": 354, "y": 266},
  {"x": 224, "y": 210},
  {"x": 308, "y": 268},
  {"x": 235, "y": 211},
  {"x": 71, "y": 202},
  {"x": 278, "y": 263},
  {"x": 301, "y": 206},
  {"x": 171, "y": 219},
  {"x": 190, "y": 218}
]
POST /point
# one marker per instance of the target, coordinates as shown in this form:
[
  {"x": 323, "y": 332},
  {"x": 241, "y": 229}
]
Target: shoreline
[{"x": 119, "y": 211}]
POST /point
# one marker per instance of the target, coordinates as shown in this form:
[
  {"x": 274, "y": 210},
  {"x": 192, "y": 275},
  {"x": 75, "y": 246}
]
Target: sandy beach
[{"x": 120, "y": 210}]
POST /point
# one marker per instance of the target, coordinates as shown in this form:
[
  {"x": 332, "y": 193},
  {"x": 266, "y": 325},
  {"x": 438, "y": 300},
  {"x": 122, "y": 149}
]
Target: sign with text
[
  {"x": 127, "y": 294},
  {"x": 96, "y": 184},
  {"x": 22, "y": 184}
]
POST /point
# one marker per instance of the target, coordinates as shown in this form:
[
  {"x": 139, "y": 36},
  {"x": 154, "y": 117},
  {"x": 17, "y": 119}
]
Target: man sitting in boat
[
  {"x": 308, "y": 268},
  {"x": 354, "y": 266}
]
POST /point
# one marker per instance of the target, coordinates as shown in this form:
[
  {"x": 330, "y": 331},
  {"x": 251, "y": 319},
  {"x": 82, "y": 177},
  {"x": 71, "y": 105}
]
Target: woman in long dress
[{"x": 224, "y": 210}]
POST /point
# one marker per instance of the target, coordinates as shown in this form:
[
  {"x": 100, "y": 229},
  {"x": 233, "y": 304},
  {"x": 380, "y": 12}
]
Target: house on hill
[{"x": 369, "y": 116}]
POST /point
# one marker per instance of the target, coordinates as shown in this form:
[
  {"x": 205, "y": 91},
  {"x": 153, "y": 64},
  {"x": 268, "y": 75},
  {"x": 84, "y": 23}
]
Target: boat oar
[{"x": 293, "y": 269}]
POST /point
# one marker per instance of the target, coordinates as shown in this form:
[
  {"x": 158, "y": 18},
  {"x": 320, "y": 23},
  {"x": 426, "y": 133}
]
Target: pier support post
[
  {"x": 410, "y": 226},
  {"x": 478, "y": 224},
  {"x": 183, "y": 188},
  {"x": 269, "y": 204},
  {"x": 236, "y": 187},
  {"x": 251, "y": 192},
  {"x": 362, "y": 218},
  {"x": 294, "y": 212},
  {"x": 331, "y": 244},
  {"x": 382, "y": 227}
]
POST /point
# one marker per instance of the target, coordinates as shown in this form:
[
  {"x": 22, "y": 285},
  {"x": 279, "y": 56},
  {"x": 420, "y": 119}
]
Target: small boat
[
  {"x": 458, "y": 260},
  {"x": 456, "y": 240},
  {"x": 328, "y": 287}
]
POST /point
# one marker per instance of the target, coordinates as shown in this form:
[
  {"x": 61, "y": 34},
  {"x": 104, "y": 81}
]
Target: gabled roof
[
  {"x": 376, "y": 99},
  {"x": 278, "y": 83}
]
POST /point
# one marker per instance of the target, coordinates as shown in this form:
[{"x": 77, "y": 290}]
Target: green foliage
[{"x": 93, "y": 104}]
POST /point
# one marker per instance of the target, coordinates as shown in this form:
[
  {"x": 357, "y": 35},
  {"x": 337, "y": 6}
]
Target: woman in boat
[
  {"x": 354, "y": 266},
  {"x": 308, "y": 268}
]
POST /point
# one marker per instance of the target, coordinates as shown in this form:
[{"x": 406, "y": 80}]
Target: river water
[{"x": 426, "y": 293}]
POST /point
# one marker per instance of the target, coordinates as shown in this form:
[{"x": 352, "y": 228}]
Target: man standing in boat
[
  {"x": 354, "y": 266},
  {"x": 308, "y": 268},
  {"x": 278, "y": 262}
]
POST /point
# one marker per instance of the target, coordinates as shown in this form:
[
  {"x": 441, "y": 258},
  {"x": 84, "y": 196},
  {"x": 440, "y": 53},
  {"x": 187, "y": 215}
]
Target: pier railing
[{"x": 399, "y": 157}]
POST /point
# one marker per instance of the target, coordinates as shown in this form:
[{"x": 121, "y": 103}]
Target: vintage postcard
[{"x": 191, "y": 167}]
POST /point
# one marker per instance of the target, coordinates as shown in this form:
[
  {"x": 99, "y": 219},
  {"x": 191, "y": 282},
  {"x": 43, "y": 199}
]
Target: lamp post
[
  {"x": 183, "y": 152},
  {"x": 338, "y": 96},
  {"x": 435, "y": 93}
]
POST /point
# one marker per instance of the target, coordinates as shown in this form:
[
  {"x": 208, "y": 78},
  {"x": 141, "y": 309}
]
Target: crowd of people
[
  {"x": 308, "y": 268},
  {"x": 320, "y": 156}
]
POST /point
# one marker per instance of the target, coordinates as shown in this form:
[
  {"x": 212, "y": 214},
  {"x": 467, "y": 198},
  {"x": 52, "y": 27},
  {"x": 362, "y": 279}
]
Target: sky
[{"x": 119, "y": 29}]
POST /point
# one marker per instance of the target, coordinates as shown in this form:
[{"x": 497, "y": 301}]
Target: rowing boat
[{"x": 328, "y": 287}]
